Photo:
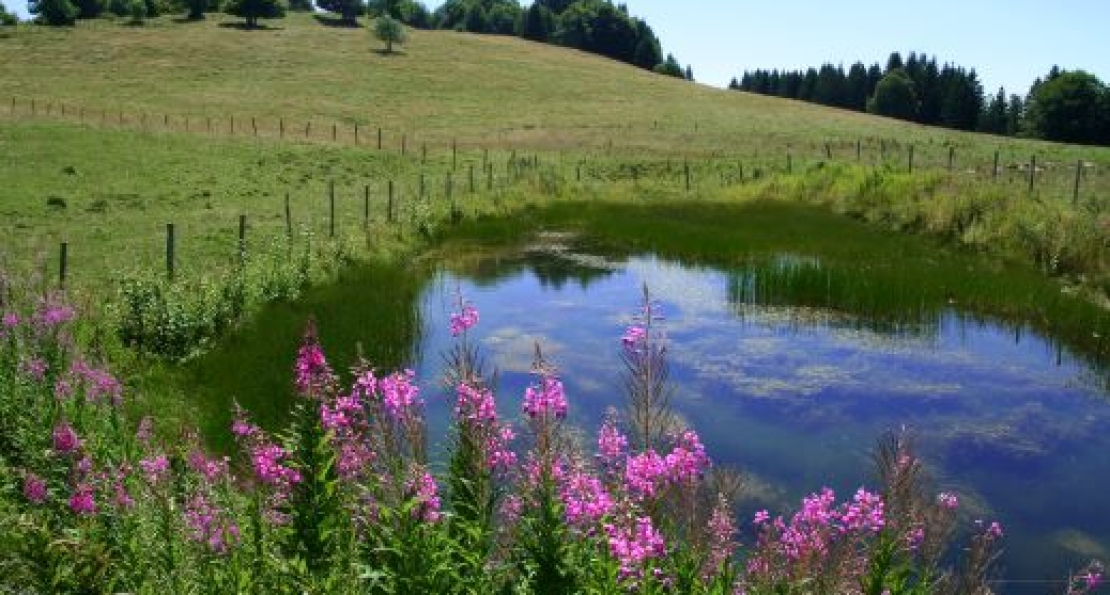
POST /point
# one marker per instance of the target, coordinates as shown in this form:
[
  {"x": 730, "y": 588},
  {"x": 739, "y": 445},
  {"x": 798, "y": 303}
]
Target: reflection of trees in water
[{"x": 553, "y": 269}]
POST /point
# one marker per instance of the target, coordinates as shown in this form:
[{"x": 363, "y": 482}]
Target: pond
[{"x": 788, "y": 365}]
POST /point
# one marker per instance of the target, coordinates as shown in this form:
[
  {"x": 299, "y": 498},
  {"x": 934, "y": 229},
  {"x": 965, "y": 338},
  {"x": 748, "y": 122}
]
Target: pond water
[
  {"x": 811, "y": 337},
  {"x": 795, "y": 397}
]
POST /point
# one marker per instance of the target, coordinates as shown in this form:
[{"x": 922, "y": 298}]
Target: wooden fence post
[
  {"x": 288, "y": 218},
  {"x": 489, "y": 177},
  {"x": 828, "y": 152},
  {"x": 994, "y": 175},
  {"x": 951, "y": 158},
  {"x": 1075, "y": 189},
  {"x": 169, "y": 251},
  {"x": 911, "y": 159},
  {"x": 789, "y": 163},
  {"x": 356, "y": 134},
  {"x": 254, "y": 127},
  {"x": 404, "y": 143},
  {"x": 331, "y": 209},
  {"x": 63, "y": 263},
  {"x": 1032, "y": 171},
  {"x": 472, "y": 178},
  {"x": 687, "y": 174},
  {"x": 366, "y": 207},
  {"x": 422, "y": 186},
  {"x": 389, "y": 205},
  {"x": 242, "y": 240},
  {"x": 454, "y": 155},
  {"x": 281, "y": 128},
  {"x": 379, "y": 139}
]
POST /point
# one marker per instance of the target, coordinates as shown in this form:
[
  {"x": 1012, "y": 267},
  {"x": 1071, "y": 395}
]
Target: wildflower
[
  {"x": 145, "y": 432},
  {"x": 10, "y": 320},
  {"x": 83, "y": 501},
  {"x": 761, "y": 517},
  {"x": 312, "y": 372},
  {"x": 865, "y": 513},
  {"x": 210, "y": 469},
  {"x": 341, "y": 414},
  {"x": 948, "y": 501},
  {"x": 633, "y": 337},
  {"x": 611, "y": 443},
  {"x": 502, "y": 458},
  {"x": 915, "y": 538},
  {"x": 463, "y": 320},
  {"x": 633, "y": 546},
  {"x": 266, "y": 460},
  {"x": 400, "y": 395},
  {"x": 688, "y": 460},
  {"x": 720, "y": 531},
  {"x": 121, "y": 498},
  {"x": 426, "y": 492},
  {"x": 34, "y": 488},
  {"x": 65, "y": 438},
  {"x": 546, "y": 398},
  {"x": 53, "y": 313},
  {"x": 209, "y": 525},
  {"x": 585, "y": 500},
  {"x": 994, "y": 531},
  {"x": 155, "y": 469},
  {"x": 34, "y": 368}
]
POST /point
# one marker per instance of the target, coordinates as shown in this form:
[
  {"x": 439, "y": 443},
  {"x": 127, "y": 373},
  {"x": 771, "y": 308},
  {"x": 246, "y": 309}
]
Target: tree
[
  {"x": 415, "y": 14},
  {"x": 252, "y": 10},
  {"x": 993, "y": 119},
  {"x": 197, "y": 8},
  {"x": 348, "y": 10},
  {"x": 389, "y": 31},
  {"x": 689, "y": 73},
  {"x": 557, "y": 7},
  {"x": 647, "y": 52},
  {"x": 538, "y": 23},
  {"x": 301, "y": 6},
  {"x": 89, "y": 9},
  {"x": 1015, "y": 114},
  {"x": 138, "y": 12},
  {"x": 734, "y": 85},
  {"x": 670, "y": 67},
  {"x": 56, "y": 13},
  {"x": 7, "y": 18},
  {"x": 1070, "y": 106},
  {"x": 894, "y": 96},
  {"x": 894, "y": 62}
]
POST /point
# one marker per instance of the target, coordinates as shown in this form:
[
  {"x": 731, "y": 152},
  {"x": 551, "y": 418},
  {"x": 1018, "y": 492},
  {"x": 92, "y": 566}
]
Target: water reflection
[{"x": 791, "y": 371}]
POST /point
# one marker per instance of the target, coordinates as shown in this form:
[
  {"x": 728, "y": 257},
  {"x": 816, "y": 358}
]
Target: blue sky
[{"x": 1009, "y": 42}]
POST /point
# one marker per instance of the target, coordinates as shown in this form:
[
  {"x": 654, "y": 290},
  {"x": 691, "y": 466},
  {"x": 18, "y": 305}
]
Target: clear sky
[{"x": 1009, "y": 42}]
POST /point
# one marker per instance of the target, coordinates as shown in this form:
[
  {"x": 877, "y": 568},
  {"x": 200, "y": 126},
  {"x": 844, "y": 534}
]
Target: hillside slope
[{"x": 481, "y": 90}]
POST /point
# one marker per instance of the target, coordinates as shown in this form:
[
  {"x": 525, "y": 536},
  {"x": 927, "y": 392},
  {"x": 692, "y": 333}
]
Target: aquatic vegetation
[{"x": 345, "y": 499}]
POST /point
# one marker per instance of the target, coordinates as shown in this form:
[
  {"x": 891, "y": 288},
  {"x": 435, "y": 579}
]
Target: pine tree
[
  {"x": 56, "y": 13},
  {"x": 670, "y": 67},
  {"x": 538, "y": 23},
  {"x": 894, "y": 62},
  {"x": 689, "y": 73}
]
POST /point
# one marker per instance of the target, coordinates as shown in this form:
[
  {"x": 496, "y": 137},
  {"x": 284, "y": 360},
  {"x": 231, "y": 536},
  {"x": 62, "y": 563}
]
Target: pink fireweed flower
[
  {"x": 34, "y": 488},
  {"x": 426, "y": 493},
  {"x": 99, "y": 384},
  {"x": 688, "y": 461},
  {"x": 645, "y": 473},
  {"x": 761, "y": 517},
  {"x": 719, "y": 535},
  {"x": 994, "y": 531},
  {"x": 155, "y": 469},
  {"x": 83, "y": 500},
  {"x": 1091, "y": 578},
  {"x": 312, "y": 373},
  {"x": 63, "y": 389},
  {"x": 612, "y": 445},
  {"x": 211, "y": 469},
  {"x": 475, "y": 405},
  {"x": 464, "y": 319},
  {"x": 53, "y": 312},
  {"x": 948, "y": 501},
  {"x": 502, "y": 458},
  {"x": 634, "y": 546},
  {"x": 209, "y": 525},
  {"x": 267, "y": 462},
  {"x": 341, "y": 414},
  {"x": 120, "y": 496},
  {"x": 634, "y": 337},
  {"x": 400, "y": 395},
  {"x": 10, "y": 320},
  {"x": 864, "y": 513},
  {"x": 66, "y": 440},
  {"x": 145, "y": 432},
  {"x": 34, "y": 368},
  {"x": 915, "y": 538},
  {"x": 546, "y": 399},
  {"x": 585, "y": 500}
]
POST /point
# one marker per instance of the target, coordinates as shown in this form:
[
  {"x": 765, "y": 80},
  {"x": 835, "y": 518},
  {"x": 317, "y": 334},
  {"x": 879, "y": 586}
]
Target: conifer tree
[
  {"x": 252, "y": 10},
  {"x": 348, "y": 10}
]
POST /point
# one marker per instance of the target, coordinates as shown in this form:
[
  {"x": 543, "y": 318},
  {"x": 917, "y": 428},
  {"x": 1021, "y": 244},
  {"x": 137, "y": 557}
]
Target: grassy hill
[
  {"x": 481, "y": 90},
  {"x": 107, "y": 132}
]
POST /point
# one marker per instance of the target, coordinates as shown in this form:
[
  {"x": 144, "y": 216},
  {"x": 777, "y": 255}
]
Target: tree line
[
  {"x": 1067, "y": 106},
  {"x": 596, "y": 26}
]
